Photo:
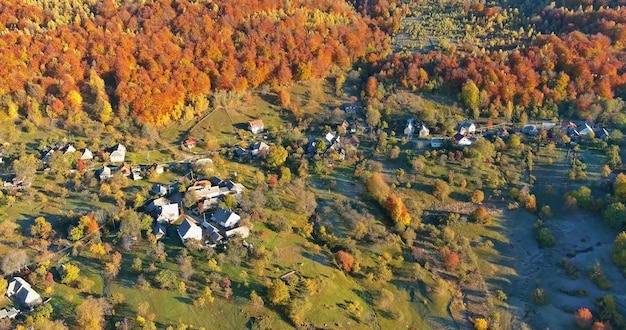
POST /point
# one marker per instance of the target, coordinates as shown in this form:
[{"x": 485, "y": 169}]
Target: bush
[
  {"x": 539, "y": 297},
  {"x": 481, "y": 324},
  {"x": 481, "y": 215},
  {"x": 619, "y": 250},
  {"x": 545, "y": 238},
  {"x": 597, "y": 276}
]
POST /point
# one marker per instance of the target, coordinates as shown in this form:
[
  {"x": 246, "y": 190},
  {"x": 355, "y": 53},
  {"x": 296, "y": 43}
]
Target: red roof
[
  {"x": 256, "y": 123},
  {"x": 190, "y": 142}
]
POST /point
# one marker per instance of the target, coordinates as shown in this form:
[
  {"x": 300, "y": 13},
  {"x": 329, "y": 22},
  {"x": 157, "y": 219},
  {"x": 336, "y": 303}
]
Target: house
[
  {"x": 191, "y": 143},
  {"x": 503, "y": 133},
  {"x": 225, "y": 218},
  {"x": 213, "y": 234},
  {"x": 124, "y": 169},
  {"x": 234, "y": 188},
  {"x": 163, "y": 210},
  {"x": 530, "y": 130},
  {"x": 330, "y": 138},
  {"x": 256, "y": 126},
  {"x": 205, "y": 192},
  {"x": 547, "y": 125},
  {"x": 241, "y": 152},
  {"x": 68, "y": 149},
  {"x": 584, "y": 129},
  {"x": 461, "y": 140},
  {"x": 350, "y": 108},
  {"x": 156, "y": 168},
  {"x": 242, "y": 232},
  {"x": 105, "y": 173},
  {"x": 601, "y": 133},
  {"x": 436, "y": 143},
  {"x": 465, "y": 128},
  {"x": 260, "y": 148},
  {"x": 11, "y": 313},
  {"x": 160, "y": 189},
  {"x": 216, "y": 181},
  {"x": 158, "y": 230},
  {"x": 20, "y": 292},
  {"x": 117, "y": 153},
  {"x": 46, "y": 156},
  {"x": 135, "y": 173},
  {"x": 424, "y": 132},
  {"x": 189, "y": 230},
  {"x": 86, "y": 155},
  {"x": 410, "y": 127}
]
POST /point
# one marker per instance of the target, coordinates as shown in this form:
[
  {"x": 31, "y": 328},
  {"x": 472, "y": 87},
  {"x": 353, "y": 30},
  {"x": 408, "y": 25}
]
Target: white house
[
  {"x": 225, "y": 218},
  {"x": 20, "y": 292},
  {"x": 465, "y": 127},
  {"x": 68, "y": 149},
  {"x": 117, "y": 154},
  {"x": 260, "y": 148},
  {"x": 189, "y": 230},
  {"x": 86, "y": 155},
  {"x": 424, "y": 132},
  {"x": 105, "y": 173},
  {"x": 256, "y": 126},
  {"x": 410, "y": 127},
  {"x": 584, "y": 129}
]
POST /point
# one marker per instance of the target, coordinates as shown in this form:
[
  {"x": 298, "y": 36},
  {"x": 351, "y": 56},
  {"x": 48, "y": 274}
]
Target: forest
[{"x": 148, "y": 60}]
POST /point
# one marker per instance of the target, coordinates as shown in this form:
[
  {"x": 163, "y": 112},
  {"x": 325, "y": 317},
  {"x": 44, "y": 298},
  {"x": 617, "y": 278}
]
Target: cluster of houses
[
  {"x": 222, "y": 223},
  {"x": 21, "y": 295}
]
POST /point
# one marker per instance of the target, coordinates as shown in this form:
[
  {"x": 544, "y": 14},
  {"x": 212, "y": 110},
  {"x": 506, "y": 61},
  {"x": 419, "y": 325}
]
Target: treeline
[
  {"x": 151, "y": 59},
  {"x": 571, "y": 74}
]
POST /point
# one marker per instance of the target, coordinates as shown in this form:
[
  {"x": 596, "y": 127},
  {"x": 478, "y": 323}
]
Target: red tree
[
  {"x": 584, "y": 318},
  {"x": 345, "y": 260},
  {"x": 451, "y": 260}
]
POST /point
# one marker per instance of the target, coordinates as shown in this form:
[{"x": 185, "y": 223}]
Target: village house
[
  {"x": 68, "y": 149},
  {"x": 163, "y": 210},
  {"x": 158, "y": 230},
  {"x": 105, "y": 173},
  {"x": 117, "y": 153},
  {"x": 424, "y": 131},
  {"x": 10, "y": 313},
  {"x": 86, "y": 155},
  {"x": 584, "y": 129},
  {"x": 163, "y": 189},
  {"x": 124, "y": 169},
  {"x": 462, "y": 141},
  {"x": 436, "y": 143},
  {"x": 189, "y": 230},
  {"x": 465, "y": 127},
  {"x": 191, "y": 143},
  {"x": 409, "y": 129},
  {"x": 156, "y": 168},
  {"x": 225, "y": 218},
  {"x": 256, "y": 126},
  {"x": 530, "y": 130},
  {"x": 259, "y": 149},
  {"x": 21, "y": 293},
  {"x": 350, "y": 108}
]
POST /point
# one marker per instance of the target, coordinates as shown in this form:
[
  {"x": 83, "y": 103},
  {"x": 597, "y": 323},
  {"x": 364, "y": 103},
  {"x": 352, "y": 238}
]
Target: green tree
[
  {"x": 166, "y": 279},
  {"x": 377, "y": 187},
  {"x": 615, "y": 215},
  {"x": 230, "y": 202},
  {"x": 372, "y": 116},
  {"x": 514, "y": 141},
  {"x": 619, "y": 250},
  {"x": 470, "y": 95},
  {"x": 278, "y": 292},
  {"x": 276, "y": 156},
  {"x": 26, "y": 166}
]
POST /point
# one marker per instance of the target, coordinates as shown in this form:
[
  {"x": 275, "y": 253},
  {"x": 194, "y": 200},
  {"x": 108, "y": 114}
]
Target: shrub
[
  {"x": 451, "y": 260},
  {"x": 481, "y": 215},
  {"x": 545, "y": 238},
  {"x": 597, "y": 276},
  {"x": 539, "y": 297},
  {"x": 477, "y": 196},
  {"x": 481, "y": 324}
]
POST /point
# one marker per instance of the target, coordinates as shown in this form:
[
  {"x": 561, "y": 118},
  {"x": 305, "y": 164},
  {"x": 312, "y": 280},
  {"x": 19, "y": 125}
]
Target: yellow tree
[{"x": 90, "y": 314}]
